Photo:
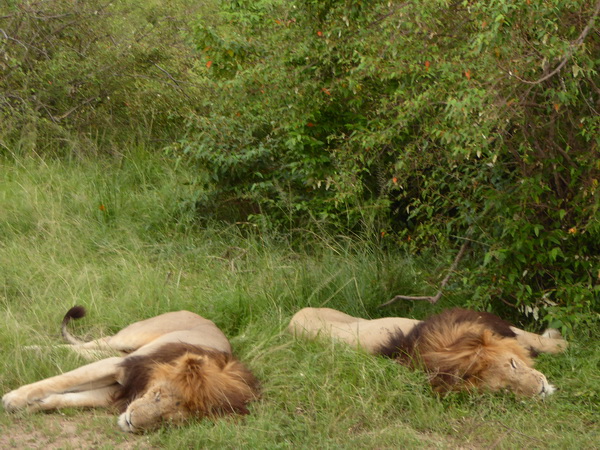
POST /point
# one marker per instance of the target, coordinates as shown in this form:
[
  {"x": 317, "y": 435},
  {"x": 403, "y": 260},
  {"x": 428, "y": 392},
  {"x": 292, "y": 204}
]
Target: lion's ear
[
  {"x": 487, "y": 336},
  {"x": 191, "y": 369},
  {"x": 193, "y": 363}
]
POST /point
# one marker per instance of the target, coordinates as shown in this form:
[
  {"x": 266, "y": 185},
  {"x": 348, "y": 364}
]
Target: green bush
[
  {"x": 434, "y": 120},
  {"x": 88, "y": 76},
  {"x": 424, "y": 122}
]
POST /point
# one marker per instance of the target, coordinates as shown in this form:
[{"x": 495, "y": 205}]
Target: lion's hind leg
[
  {"x": 91, "y": 377},
  {"x": 552, "y": 333},
  {"x": 550, "y": 341},
  {"x": 311, "y": 322}
]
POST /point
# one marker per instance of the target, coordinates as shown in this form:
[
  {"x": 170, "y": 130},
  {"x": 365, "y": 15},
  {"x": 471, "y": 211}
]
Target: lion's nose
[{"x": 125, "y": 422}]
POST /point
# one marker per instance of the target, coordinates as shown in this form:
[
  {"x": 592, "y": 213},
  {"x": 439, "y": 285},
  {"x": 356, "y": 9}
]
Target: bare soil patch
[{"x": 58, "y": 431}]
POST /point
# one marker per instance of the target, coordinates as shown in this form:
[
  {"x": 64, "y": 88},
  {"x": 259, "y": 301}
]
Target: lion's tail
[{"x": 76, "y": 312}]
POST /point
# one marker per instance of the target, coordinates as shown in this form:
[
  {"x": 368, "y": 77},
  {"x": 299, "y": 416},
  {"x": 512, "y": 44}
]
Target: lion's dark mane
[
  {"x": 401, "y": 346},
  {"x": 463, "y": 329}
]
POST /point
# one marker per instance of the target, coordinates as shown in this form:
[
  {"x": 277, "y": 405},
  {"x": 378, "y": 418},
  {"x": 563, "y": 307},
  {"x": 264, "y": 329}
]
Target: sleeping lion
[
  {"x": 170, "y": 368},
  {"x": 459, "y": 348}
]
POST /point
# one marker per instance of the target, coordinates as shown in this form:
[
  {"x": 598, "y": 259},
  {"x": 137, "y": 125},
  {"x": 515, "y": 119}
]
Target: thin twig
[
  {"x": 74, "y": 108},
  {"x": 385, "y": 16},
  {"x": 512, "y": 430},
  {"x": 434, "y": 299},
  {"x": 172, "y": 79},
  {"x": 572, "y": 48}
]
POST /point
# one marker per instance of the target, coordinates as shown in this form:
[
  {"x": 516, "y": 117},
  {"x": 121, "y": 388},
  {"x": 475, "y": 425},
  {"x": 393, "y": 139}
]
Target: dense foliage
[
  {"x": 87, "y": 76},
  {"x": 448, "y": 119},
  {"x": 432, "y": 121}
]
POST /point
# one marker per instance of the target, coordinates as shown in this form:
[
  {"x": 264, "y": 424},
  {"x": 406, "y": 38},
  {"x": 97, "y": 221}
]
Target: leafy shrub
[
  {"x": 428, "y": 121},
  {"x": 75, "y": 76},
  {"x": 440, "y": 118}
]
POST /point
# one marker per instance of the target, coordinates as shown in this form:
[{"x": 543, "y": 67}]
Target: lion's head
[
  {"x": 462, "y": 349},
  {"x": 197, "y": 383},
  {"x": 477, "y": 357}
]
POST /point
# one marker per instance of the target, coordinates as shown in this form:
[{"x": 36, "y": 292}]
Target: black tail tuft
[{"x": 76, "y": 312}]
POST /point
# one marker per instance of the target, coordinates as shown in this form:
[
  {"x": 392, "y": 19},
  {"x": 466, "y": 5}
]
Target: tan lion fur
[
  {"x": 171, "y": 367},
  {"x": 211, "y": 384},
  {"x": 463, "y": 354},
  {"x": 459, "y": 349}
]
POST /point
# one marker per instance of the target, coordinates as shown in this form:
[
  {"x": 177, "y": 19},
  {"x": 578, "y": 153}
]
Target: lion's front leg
[
  {"x": 90, "y": 377},
  {"x": 96, "y": 398}
]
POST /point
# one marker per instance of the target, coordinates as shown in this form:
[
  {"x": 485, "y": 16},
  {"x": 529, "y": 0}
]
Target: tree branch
[
  {"x": 572, "y": 47},
  {"x": 434, "y": 299}
]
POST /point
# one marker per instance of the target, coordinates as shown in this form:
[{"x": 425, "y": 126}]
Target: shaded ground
[{"x": 57, "y": 431}]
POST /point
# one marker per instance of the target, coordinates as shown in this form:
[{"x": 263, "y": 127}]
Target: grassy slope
[{"x": 135, "y": 256}]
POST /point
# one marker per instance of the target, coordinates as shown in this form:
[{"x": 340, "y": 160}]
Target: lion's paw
[
  {"x": 552, "y": 333},
  {"x": 14, "y": 401}
]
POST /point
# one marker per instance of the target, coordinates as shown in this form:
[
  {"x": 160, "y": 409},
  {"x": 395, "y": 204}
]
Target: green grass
[{"x": 111, "y": 236}]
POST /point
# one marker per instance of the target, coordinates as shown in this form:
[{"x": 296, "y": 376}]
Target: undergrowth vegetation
[
  {"x": 110, "y": 236},
  {"x": 435, "y": 122},
  {"x": 83, "y": 78},
  {"x": 429, "y": 123}
]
